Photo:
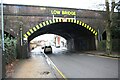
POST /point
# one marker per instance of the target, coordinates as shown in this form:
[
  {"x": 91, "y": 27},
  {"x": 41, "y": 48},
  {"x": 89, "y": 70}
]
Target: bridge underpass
[{"x": 78, "y": 37}]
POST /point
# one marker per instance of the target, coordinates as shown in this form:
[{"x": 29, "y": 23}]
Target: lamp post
[
  {"x": 21, "y": 41},
  {"x": 3, "y": 48},
  {"x": 2, "y": 24}
]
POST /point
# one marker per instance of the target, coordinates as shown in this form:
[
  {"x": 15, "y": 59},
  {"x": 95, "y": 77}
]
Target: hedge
[
  {"x": 115, "y": 45},
  {"x": 10, "y": 48}
]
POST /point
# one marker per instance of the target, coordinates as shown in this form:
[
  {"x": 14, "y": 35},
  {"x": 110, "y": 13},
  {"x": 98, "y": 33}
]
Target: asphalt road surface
[{"x": 74, "y": 65}]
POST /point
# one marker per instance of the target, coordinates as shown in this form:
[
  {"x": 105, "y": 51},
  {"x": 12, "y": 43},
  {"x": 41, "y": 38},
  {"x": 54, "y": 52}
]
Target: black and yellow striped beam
[{"x": 48, "y": 22}]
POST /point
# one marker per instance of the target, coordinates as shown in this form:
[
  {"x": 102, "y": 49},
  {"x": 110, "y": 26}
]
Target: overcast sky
[{"x": 80, "y": 4}]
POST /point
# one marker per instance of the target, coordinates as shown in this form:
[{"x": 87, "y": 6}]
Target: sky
[{"x": 79, "y": 4}]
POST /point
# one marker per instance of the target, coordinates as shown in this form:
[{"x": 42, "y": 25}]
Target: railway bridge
[{"x": 81, "y": 28}]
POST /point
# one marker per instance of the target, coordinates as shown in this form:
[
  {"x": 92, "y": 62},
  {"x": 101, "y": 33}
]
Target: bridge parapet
[{"x": 33, "y": 15}]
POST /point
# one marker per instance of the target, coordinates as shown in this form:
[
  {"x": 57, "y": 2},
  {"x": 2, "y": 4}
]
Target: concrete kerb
[
  {"x": 101, "y": 54},
  {"x": 56, "y": 71}
]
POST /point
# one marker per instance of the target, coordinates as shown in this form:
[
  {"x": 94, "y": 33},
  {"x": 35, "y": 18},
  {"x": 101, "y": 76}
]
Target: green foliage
[
  {"x": 116, "y": 32},
  {"x": 115, "y": 45},
  {"x": 10, "y": 49},
  {"x": 102, "y": 45},
  {"x": 0, "y": 41}
]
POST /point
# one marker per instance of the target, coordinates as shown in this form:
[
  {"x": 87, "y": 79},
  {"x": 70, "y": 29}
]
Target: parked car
[
  {"x": 47, "y": 49},
  {"x": 57, "y": 46}
]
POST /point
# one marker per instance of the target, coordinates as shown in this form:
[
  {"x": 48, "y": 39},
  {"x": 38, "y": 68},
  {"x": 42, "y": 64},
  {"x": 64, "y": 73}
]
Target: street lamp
[
  {"x": 3, "y": 48},
  {"x": 21, "y": 33},
  {"x": 2, "y": 25}
]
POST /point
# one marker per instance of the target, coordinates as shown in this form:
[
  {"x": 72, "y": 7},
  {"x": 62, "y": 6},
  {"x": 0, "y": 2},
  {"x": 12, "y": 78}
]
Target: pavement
[
  {"x": 0, "y": 63},
  {"x": 103, "y": 53},
  {"x": 35, "y": 67}
]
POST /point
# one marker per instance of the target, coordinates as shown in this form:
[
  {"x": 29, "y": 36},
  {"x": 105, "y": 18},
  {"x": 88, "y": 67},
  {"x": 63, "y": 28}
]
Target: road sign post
[{"x": 3, "y": 48}]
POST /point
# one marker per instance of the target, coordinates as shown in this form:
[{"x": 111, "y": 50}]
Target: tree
[{"x": 109, "y": 25}]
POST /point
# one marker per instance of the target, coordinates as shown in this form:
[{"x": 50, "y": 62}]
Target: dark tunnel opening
[{"x": 78, "y": 38}]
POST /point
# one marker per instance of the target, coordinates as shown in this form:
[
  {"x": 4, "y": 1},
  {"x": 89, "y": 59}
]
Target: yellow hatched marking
[
  {"x": 50, "y": 21},
  {"x": 25, "y": 36},
  {"x": 61, "y": 20},
  {"x": 80, "y": 23},
  {"x": 71, "y": 20},
  {"x": 56, "y": 20},
  {"x": 87, "y": 27},
  {"x": 41, "y": 25},
  {"x": 34, "y": 29},
  {"x": 77, "y": 21},
  {"x": 95, "y": 33},
  {"x": 47, "y": 22},
  {"x": 31, "y": 30},
  {"x": 53, "y": 20},
  {"x": 83, "y": 24},
  {"x": 44, "y": 24},
  {"x": 90, "y": 28},
  {"x": 37, "y": 27},
  {"x": 68, "y": 20},
  {"x": 28, "y": 33}
]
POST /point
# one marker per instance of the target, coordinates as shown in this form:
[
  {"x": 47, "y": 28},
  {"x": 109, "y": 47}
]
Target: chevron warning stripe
[
  {"x": 77, "y": 21},
  {"x": 48, "y": 22},
  {"x": 44, "y": 24},
  {"x": 25, "y": 36},
  {"x": 53, "y": 20},
  {"x": 31, "y": 30},
  {"x": 41, "y": 25},
  {"x": 89, "y": 28},
  {"x": 83, "y": 24},
  {"x": 28, "y": 33},
  {"x": 34, "y": 29},
  {"x": 37, "y": 27},
  {"x": 80, "y": 23},
  {"x": 93, "y": 31},
  {"x": 96, "y": 33}
]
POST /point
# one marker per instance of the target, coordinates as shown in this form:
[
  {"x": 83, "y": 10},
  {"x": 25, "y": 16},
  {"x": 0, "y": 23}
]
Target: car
[
  {"x": 57, "y": 46},
  {"x": 47, "y": 49}
]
